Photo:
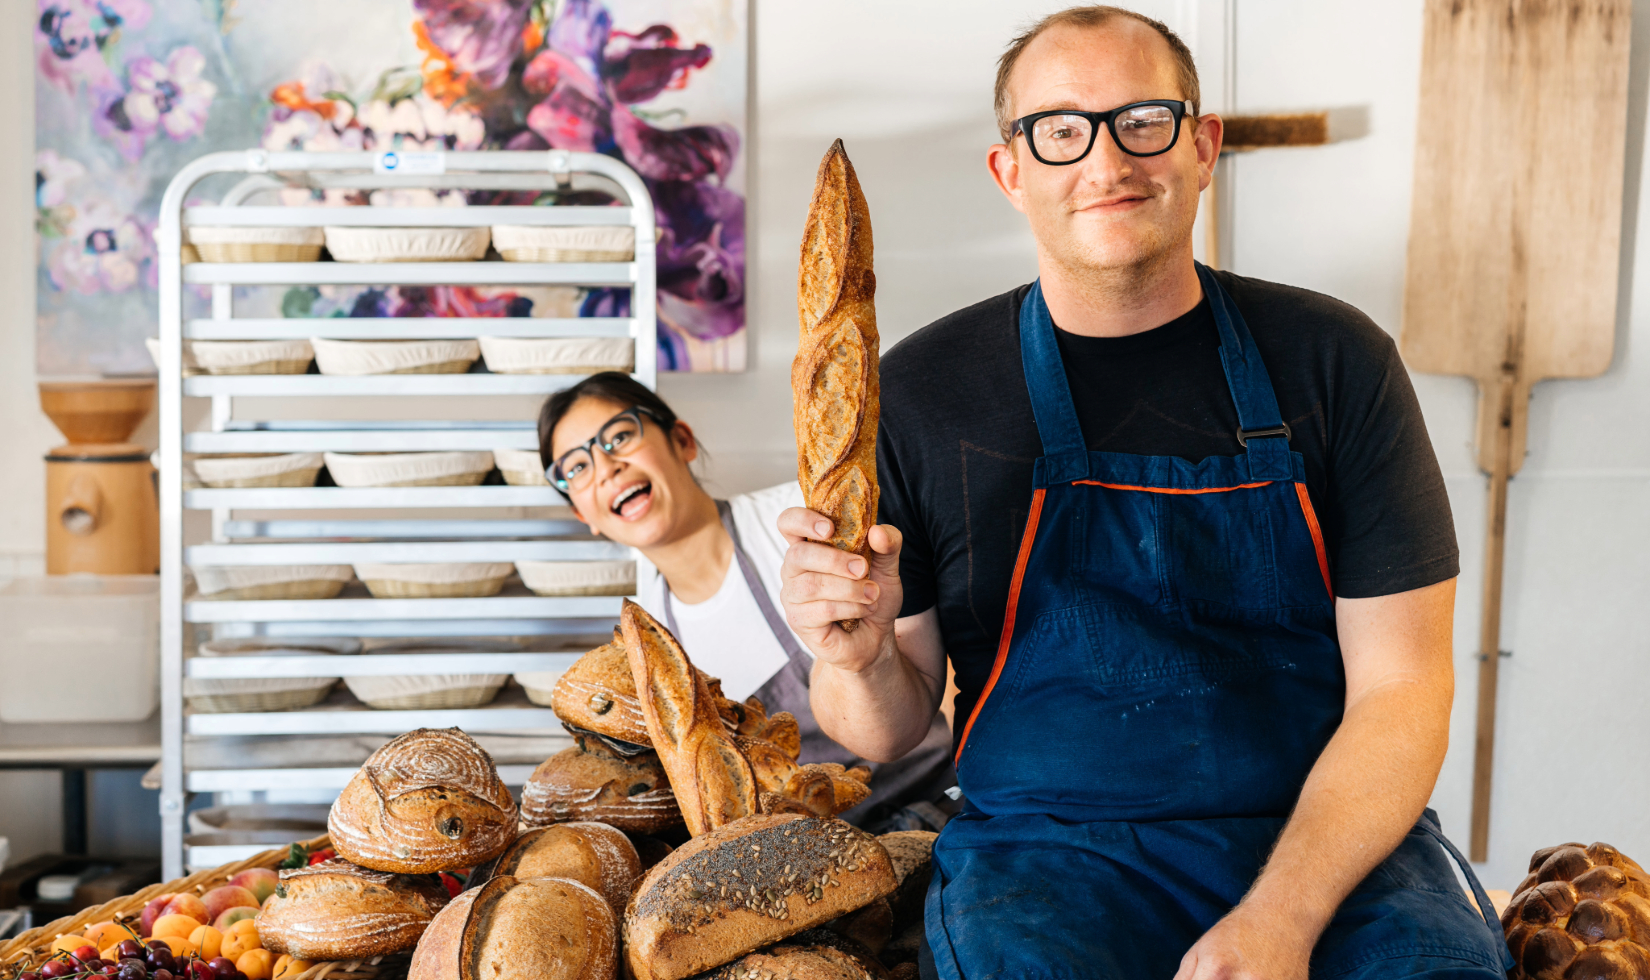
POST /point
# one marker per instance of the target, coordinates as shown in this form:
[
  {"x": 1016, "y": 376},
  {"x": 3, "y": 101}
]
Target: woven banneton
[
  {"x": 538, "y": 695},
  {"x": 266, "y": 367},
  {"x": 389, "y": 588},
  {"x": 32, "y": 947},
  {"x": 448, "y": 700},
  {"x": 257, "y": 252},
  {"x": 291, "y": 478},
  {"x": 325, "y": 588},
  {"x": 440, "y": 367},
  {"x": 540, "y": 254},
  {"x": 259, "y": 701}
]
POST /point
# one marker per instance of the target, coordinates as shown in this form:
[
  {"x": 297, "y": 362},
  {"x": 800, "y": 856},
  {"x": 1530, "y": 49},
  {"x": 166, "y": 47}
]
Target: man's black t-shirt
[{"x": 957, "y": 441}]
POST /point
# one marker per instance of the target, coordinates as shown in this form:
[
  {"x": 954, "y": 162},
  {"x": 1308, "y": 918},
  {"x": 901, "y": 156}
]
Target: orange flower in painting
[
  {"x": 531, "y": 37},
  {"x": 442, "y": 81},
  {"x": 292, "y": 95}
]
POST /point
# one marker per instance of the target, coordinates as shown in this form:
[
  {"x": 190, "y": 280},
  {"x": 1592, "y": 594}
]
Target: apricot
[
  {"x": 287, "y": 966},
  {"x": 106, "y": 934},
  {"x": 155, "y": 908},
  {"x": 256, "y": 964},
  {"x": 208, "y": 940},
  {"x": 238, "y": 941},
  {"x": 181, "y": 926},
  {"x": 177, "y": 944}
]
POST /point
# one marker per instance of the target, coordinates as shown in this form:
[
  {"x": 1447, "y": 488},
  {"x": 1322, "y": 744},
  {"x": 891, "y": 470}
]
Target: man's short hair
[{"x": 1091, "y": 15}]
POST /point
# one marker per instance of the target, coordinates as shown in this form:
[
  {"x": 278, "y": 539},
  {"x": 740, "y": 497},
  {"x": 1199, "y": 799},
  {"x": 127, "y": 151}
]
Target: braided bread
[{"x": 1583, "y": 912}]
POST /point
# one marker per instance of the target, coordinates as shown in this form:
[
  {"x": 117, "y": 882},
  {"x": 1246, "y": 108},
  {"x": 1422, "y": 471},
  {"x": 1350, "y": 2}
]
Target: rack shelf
[{"x": 271, "y": 526}]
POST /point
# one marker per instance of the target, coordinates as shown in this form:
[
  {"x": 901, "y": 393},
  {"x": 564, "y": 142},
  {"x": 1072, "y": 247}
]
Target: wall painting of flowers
[{"x": 128, "y": 91}]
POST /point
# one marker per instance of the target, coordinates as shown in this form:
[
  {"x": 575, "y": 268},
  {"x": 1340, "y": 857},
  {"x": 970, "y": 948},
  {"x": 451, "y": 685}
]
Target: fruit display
[
  {"x": 1583, "y": 913},
  {"x": 168, "y": 943}
]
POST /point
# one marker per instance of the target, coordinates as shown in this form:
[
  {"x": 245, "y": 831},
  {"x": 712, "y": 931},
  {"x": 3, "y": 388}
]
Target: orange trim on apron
[
  {"x": 1008, "y": 619},
  {"x": 1124, "y": 486},
  {"x": 1317, "y": 536}
]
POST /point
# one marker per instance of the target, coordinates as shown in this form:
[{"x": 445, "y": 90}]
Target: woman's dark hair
[{"x": 610, "y": 386}]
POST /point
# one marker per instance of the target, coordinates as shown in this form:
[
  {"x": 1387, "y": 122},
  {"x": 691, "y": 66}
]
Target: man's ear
[
  {"x": 1004, "y": 165},
  {"x": 1207, "y": 138},
  {"x": 687, "y": 445}
]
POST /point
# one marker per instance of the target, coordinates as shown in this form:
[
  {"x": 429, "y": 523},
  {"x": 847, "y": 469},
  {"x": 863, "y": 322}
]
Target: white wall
[{"x": 907, "y": 86}]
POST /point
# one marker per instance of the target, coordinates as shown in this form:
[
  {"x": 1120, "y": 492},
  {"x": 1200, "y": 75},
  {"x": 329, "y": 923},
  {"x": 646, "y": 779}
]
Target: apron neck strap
[
  {"x": 1260, "y": 425},
  {"x": 764, "y": 602}
]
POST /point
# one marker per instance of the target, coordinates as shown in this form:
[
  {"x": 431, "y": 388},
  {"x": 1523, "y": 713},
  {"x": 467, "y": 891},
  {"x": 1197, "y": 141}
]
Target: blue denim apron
[{"x": 1167, "y": 676}]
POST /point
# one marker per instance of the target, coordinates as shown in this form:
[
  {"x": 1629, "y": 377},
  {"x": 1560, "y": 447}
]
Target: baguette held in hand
[{"x": 834, "y": 376}]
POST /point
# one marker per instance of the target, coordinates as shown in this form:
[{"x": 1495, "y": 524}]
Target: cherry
[
  {"x": 223, "y": 967},
  {"x": 130, "y": 949},
  {"x": 56, "y": 968},
  {"x": 28, "y": 975},
  {"x": 133, "y": 969},
  {"x": 159, "y": 956},
  {"x": 199, "y": 970},
  {"x": 162, "y": 974},
  {"x": 238, "y": 975},
  {"x": 86, "y": 954}
]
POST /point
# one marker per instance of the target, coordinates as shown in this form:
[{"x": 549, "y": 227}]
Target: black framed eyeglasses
[
  {"x": 618, "y": 436},
  {"x": 1060, "y": 137}
]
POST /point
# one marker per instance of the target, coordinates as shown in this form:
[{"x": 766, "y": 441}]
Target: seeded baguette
[
  {"x": 593, "y": 853},
  {"x": 521, "y": 929},
  {"x": 336, "y": 910},
  {"x": 591, "y": 782},
  {"x": 746, "y": 885},
  {"x": 429, "y": 800},
  {"x": 712, "y": 781}
]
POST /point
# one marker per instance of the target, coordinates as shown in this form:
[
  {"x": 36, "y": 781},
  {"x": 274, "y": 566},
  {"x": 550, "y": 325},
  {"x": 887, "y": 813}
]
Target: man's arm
[
  {"x": 1362, "y": 796},
  {"x": 875, "y": 689}
]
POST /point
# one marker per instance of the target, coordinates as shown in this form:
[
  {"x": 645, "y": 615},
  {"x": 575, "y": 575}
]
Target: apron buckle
[{"x": 1281, "y": 429}]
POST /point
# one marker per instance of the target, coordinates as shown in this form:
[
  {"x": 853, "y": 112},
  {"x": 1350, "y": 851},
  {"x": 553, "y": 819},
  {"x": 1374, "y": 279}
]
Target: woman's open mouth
[{"x": 630, "y": 502}]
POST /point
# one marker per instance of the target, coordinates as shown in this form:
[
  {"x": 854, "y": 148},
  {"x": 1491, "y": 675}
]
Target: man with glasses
[{"x": 1183, "y": 537}]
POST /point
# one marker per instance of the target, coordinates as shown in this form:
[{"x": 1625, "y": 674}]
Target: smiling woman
[{"x": 622, "y": 458}]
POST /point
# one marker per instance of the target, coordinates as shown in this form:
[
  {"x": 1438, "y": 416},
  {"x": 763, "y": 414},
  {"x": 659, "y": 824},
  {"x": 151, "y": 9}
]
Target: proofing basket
[
  {"x": 432, "y": 692},
  {"x": 288, "y": 470},
  {"x": 214, "y": 695},
  {"x": 571, "y": 578},
  {"x": 227, "y": 244},
  {"x": 243, "y": 582},
  {"x": 407, "y": 244},
  {"x": 520, "y": 467},
  {"x": 558, "y": 355},
  {"x": 448, "y": 469},
  {"x": 435, "y": 580},
  {"x": 362, "y": 357},
  {"x": 529, "y": 243},
  {"x": 190, "y": 368},
  {"x": 30, "y": 950}
]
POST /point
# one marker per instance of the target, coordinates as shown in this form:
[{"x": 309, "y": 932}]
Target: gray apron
[{"x": 918, "y": 777}]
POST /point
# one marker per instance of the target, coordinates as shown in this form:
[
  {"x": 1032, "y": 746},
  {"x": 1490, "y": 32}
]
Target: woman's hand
[{"x": 821, "y": 586}]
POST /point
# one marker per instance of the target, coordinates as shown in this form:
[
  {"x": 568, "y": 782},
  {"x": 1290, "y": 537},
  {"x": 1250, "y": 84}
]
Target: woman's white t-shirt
[{"x": 726, "y": 636}]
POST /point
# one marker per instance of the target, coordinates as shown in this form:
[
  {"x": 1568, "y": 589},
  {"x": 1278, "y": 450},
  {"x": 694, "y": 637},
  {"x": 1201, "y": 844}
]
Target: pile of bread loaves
[{"x": 578, "y": 882}]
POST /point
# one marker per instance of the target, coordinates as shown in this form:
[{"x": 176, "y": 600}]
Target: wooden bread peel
[{"x": 1514, "y": 238}]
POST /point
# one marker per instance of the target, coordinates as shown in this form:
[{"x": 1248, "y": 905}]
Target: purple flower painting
[{"x": 133, "y": 89}]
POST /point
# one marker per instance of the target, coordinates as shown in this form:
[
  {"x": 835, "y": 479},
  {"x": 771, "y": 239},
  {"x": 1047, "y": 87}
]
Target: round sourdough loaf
[
  {"x": 336, "y": 910},
  {"x": 593, "y": 853},
  {"x": 591, "y": 782},
  {"x": 746, "y": 885},
  {"x": 521, "y": 929},
  {"x": 429, "y": 800}
]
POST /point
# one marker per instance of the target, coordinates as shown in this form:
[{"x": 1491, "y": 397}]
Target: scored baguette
[
  {"x": 834, "y": 379},
  {"x": 712, "y": 780}
]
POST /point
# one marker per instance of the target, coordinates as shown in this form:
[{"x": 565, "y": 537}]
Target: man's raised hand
[{"x": 821, "y": 586}]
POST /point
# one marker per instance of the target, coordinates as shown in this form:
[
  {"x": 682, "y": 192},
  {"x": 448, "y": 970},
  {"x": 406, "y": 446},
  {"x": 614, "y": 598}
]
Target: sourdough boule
[
  {"x": 521, "y": 929},
  {"x": 336, "y": 910},
  {"x": 593, "y": 853}
]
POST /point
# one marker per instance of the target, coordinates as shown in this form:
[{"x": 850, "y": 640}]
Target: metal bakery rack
[{"x": 301, "y": 525}]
